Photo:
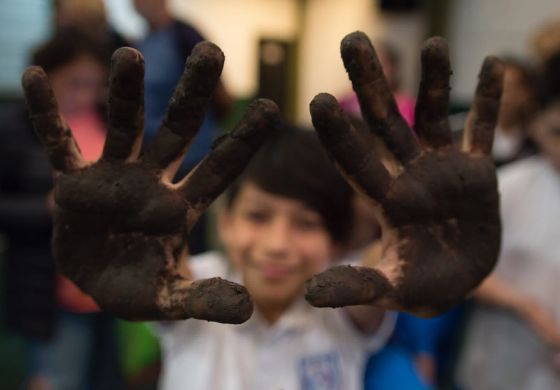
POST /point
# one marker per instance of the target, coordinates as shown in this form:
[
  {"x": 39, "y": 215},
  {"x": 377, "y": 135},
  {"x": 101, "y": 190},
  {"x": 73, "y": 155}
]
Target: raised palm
[
  {"x": 121, "y": 224},
  {"x": 437, "y": 202}
]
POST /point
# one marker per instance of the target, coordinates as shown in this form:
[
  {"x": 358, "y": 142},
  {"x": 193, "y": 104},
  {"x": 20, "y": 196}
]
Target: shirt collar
[{"x": 294, "y": 319}]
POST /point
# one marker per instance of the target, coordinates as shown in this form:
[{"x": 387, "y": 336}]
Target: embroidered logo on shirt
[{"x": 320, "y": 372}]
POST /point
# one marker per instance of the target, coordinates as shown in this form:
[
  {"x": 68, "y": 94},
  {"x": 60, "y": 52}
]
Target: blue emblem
[{"x": 320, "y": 372}]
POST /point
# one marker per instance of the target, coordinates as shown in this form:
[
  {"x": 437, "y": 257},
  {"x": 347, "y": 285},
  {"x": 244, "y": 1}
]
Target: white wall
[
  {"x": 407, "y": 33},
  {"x": 23, "y": 25},
  {"x": 122, "y": 15},
  {"x": 326, "y": 23},
  {"x": 482, "y": 27},
  {"x": 236, "y": 26}
]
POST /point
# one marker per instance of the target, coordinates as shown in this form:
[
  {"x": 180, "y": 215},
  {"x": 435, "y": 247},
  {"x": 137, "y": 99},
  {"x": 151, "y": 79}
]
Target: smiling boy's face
[{"x": 276, "y": 243}]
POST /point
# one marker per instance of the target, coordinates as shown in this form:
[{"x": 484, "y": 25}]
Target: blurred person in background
[
  {"x": 390, "y": 60},
  {"x": 71, "y": 342},
  {"x": 165, "y": 51},
  {"x": 513, "y": 338},
  {"x": 518, "y": 108}
]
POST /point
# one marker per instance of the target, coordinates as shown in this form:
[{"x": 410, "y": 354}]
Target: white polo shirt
[
  {"x": 530, "y": 208},
  {"x": 308, "y": 348},
  {"x": 502, "y": 351}
]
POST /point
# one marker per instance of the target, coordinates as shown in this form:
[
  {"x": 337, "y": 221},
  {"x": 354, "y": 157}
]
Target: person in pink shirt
[
  {"x": 72, "y": 330},
  {"x": 390, "y": 62},
  {"x": 78, "y": 83}
]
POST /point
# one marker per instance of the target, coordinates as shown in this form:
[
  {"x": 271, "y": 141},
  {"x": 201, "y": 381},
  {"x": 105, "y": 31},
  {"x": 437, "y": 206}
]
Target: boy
[
  {"x": 286, "y": 217},
  {"x": 122, "y": 224}
]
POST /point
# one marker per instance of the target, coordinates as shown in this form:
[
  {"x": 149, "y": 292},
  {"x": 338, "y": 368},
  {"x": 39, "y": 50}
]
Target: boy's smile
[{"x": 272, "y": 271}]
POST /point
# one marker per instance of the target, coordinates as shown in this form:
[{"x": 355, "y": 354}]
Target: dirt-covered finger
[{"x": 53, "y": 132}]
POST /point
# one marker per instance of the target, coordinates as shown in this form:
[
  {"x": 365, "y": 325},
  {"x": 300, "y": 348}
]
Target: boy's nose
[{"x": 277, "y": 237}]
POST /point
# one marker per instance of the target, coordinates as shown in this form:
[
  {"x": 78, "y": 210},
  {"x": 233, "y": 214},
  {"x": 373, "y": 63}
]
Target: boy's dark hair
[
  {"x": 65, "y": 46},
  {"x": 293, "y": 164}
]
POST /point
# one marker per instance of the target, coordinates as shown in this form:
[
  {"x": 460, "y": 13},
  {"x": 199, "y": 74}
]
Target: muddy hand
[
  {"x": 121, "y": 225},
  {"x": 437, "y": 202}
]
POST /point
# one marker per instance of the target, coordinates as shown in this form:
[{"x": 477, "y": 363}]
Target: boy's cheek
[
  {"x": 317, "y": 258},
  {"x": 236, "y": 239},
  {"x": 238, "y": 255}
]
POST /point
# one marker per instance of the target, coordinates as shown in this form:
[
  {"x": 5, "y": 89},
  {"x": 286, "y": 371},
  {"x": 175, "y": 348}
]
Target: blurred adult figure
[{"x": 165, "y": 49}]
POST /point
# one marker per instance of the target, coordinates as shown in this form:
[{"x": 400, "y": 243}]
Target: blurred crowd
[{"x": 507, "y": 336}]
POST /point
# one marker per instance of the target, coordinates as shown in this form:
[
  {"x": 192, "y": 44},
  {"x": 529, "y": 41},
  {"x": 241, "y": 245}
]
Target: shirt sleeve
[{"x": 341, "y": 323}]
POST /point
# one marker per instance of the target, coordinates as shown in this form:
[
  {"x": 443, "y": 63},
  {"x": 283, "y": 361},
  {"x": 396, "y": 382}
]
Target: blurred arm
[
  {"x": 496, "y": 291},
  {"x": 367, "y": 318}
]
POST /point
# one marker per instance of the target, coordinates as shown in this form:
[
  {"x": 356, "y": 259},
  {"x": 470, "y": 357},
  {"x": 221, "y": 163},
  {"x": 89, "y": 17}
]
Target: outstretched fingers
[
  {"x": 345, "y": 144},
  {"x": 49, "y": 125},
  {"x": 213, "y": 299},
  {"x": 483, "y": 116},
  {"x": 376, "y": 99},
  {"x": 126, "y": 105},
  {"x": 431, "y": 117},
  {"x": 169, "y": 296},
  {"x": 229, "y": 156},
  {"x": 187, "y": 107}
]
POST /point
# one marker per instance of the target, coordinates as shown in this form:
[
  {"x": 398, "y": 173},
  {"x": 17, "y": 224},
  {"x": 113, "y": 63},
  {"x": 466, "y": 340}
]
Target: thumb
[{"x": 346, "y": 285}]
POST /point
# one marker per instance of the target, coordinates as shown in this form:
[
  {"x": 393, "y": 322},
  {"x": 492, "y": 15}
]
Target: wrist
[{"x": 523, "y": 306}]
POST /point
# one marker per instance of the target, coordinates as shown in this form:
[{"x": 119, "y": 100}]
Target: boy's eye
[
  {"x": 308, "y": 223},
  {"x": 255, "y": 216}
]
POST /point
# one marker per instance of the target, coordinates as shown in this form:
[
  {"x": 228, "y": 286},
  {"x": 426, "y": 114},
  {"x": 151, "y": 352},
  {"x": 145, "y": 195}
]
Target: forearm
[
  {"x": 501, "y": 293},
  {"x": 497, "y": 291},
  {"x": 367, "y": 319}
]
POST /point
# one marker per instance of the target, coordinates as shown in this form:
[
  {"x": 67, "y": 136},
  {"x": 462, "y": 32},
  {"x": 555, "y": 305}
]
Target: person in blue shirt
[{"x": 165, "y": 49}]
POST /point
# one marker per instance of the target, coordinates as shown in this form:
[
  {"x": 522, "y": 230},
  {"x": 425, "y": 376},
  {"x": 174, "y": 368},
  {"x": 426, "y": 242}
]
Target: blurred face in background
[
  {"x": 78, "y": 85},
  {"x": 518, "y": 104},
  {"x": 546, "y": 133}
]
